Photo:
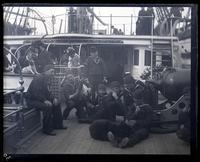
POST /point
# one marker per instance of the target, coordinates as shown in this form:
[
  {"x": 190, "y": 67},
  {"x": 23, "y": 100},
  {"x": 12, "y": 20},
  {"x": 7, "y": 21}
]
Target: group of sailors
[
  {"x": 34, "y": 59},
  {"x": 116, "y": 31},
  {"x": 101, "y": 110},
  {"x": 96, "y": 101}
]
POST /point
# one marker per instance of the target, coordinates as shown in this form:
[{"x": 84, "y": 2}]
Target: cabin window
[
  {"x": 147, "y": 59},
  {"x": 136, "y": 57}
]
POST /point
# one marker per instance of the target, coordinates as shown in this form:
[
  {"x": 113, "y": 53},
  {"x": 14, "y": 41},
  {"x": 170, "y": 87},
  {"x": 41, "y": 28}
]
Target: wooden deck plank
[{"x": 76, "y": 140}]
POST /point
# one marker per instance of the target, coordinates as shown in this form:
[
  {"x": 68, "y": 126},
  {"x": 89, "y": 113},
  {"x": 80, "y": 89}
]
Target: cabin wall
[{"x": 137, "y": 70}]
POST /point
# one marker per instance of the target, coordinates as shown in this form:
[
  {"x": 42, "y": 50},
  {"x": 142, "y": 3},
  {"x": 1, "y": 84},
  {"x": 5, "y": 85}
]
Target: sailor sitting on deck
[
  {"x": 107, "y": 106},
  {"x": 73, "y": 96}
]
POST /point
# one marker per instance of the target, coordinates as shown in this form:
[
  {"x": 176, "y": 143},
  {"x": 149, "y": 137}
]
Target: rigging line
[{"x": 41, "y": 13}]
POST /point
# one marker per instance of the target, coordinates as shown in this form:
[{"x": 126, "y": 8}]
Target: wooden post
[
  {"x": 53, "y": 22},
  {"x": 110, "y": 24},
  {"x": 60, "y": 25},
  {"x": 172, "y": 47},
  {"x": 131, "y": 24},
  {"x": 65, "y": 21},
  {"x": 152, "y": 47},
  {"x": 124, "y": 28},
  {"x": 34, "y": 28}
]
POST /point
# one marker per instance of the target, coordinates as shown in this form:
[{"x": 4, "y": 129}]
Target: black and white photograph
[{"x": 97, "y": 79}]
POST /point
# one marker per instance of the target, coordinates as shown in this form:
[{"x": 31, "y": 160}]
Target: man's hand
[
  {"x": 48, "y": 103},
  {"x": 55, "y": 101},
  {"x": 105, "y": 80},
  {"x": 115, "y": 95},
  {"x": 131, "y": 122}
]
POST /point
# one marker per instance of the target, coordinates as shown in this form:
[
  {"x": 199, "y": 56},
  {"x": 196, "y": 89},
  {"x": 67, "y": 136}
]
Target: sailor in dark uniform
[
  {"x": 140, "y": 24},
  {"x": 184, "y": 126},
  {"x": 95, "y": 70},
  {"x": 72, "y": 97},
  {"x": 108, "y": 106},
  {"x": 149, "y": 20},
  {"x": 139, "y": 123},
  {"x": 38, "y": 96},
  {"x": 100, "y": 128},
  {"x": 44, "y": 57}
]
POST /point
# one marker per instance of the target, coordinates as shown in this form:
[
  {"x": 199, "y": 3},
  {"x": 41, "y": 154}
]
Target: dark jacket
[
  {"x": 109, "y": 108},
  {"x": 38, "y": 89},
  {"x": 99, "y": 129},
  {"x": 44, "y": 58},
  {"x": 143, "y": 118},
  {"x": 93, "y": 69}
]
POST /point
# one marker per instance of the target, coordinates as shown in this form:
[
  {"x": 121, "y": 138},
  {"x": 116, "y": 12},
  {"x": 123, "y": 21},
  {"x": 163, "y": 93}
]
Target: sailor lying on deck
[{"x": 124, "y": 134}]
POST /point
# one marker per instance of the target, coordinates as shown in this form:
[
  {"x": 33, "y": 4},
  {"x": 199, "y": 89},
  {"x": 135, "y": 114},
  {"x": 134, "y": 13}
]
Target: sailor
[
  {"x": 133, "y": 91},
  {"x": 115, "y": 30},
  {"x": 74, "y": 58},
  {"x": 108, "y": 106},
  {"x": 149, "y": 20},
  {"x": 64, "y": 58},
  {"x": 39, "y": 97},
  {"x": 139, "y": 122},
  {"x": 140, "y": 24},
  {"x": 31, "y": 57},
  {"x": 184, "y": 126},
  {"x": 100, "y": 129},
  {"x": 95, "y": 70},
  {"x": 74, "y": 61},
  {"x": 44, "y": 56},
  {"x": 72, "y": 97}
]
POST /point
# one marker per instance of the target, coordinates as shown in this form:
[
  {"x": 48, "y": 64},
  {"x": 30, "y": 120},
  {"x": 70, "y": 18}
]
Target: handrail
[
  {"x": 21, "y": 89},
  {"x": 18, "y": 64},
  {"x": 13, "y": 112}
]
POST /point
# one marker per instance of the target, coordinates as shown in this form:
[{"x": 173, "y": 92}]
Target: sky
[{"x": 123, "y": 23}]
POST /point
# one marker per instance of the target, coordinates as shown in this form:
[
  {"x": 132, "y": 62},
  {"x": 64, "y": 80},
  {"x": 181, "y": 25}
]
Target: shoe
[
  {"x": 49, "y": 133},
  {"x": 112, "y": 139},
  {"x": 62, "y": 127},
  {"x": 110, "y": 136},
  {"x": 124, "y": 142}
]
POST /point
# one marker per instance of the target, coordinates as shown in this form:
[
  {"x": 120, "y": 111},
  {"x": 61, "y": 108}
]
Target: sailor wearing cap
[{"x": 95, "y": 70}]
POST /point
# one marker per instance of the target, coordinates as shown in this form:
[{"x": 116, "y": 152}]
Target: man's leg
[
  {"x": 133, "y": 139},
  {"x": 47, "y": 114},
  {"x": 57, "y": 117},
  {"x": 70, "y": 105}
]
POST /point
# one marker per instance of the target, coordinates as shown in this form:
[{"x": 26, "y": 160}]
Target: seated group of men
[{"x": 111, "y": 101}]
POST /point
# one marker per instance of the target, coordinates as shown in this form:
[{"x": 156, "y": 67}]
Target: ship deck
[{"x": 76, "y": 140}]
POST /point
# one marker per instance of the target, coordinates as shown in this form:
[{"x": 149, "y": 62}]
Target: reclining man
[
  {"x": 124, "y": 134},
  {"x": 138, "y": 118},
  {"x": 38, "y": 96},
  {"x": 139, "y": 122}
]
